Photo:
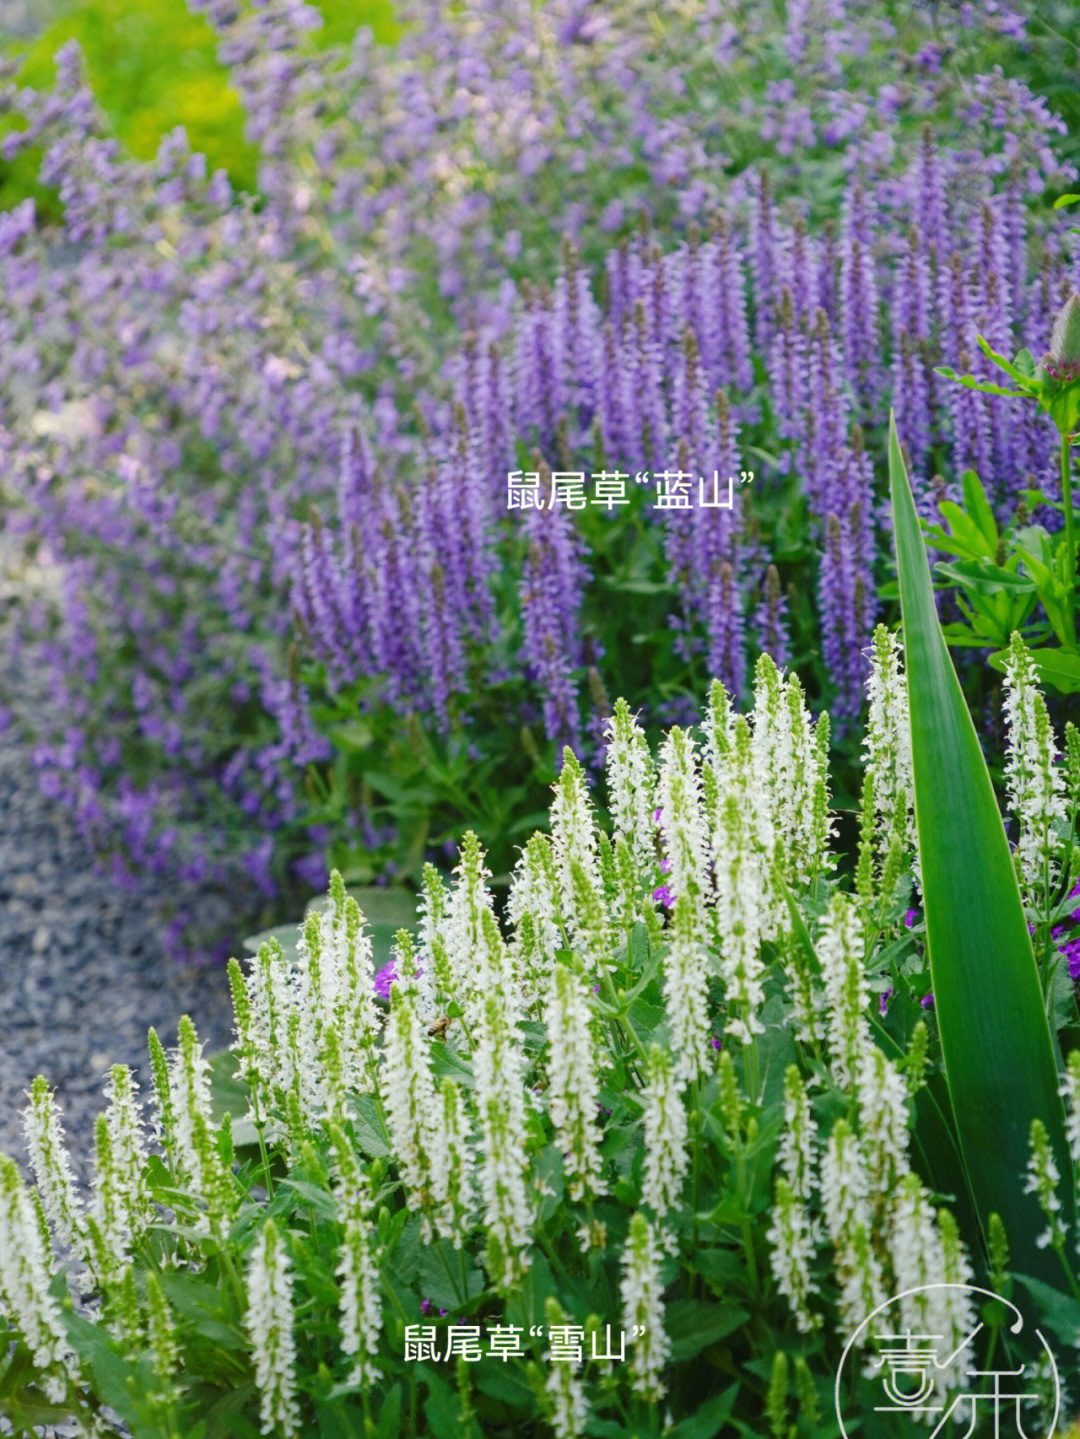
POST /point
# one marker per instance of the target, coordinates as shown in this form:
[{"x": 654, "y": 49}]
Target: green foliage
[
  {"x": 999, "y": 1057},
  {"x": 153, "y": 66},
  {"x": 1002, "y": 577}
]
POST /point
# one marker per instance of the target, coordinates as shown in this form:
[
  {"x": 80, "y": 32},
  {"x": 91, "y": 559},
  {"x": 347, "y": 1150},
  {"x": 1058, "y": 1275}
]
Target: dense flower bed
[
  {"x": 660, "y": 1091},
  {"x": 185, "y": 372}
]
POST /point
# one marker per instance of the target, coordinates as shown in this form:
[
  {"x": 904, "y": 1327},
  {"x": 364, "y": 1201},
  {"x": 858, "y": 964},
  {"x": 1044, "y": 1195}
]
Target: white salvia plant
[
  {"x": 666, "y": 1129},
  {"x": 475, "y": 961},
  {"x": 883, "y": 1120},
  {"x": 573, "y": 1082},
  {"x": 686, "y": 996},
  {"x": 744, "y": 823},
  {"x": 631, "y": 785},
  {"x": 740, "y": 906},
  {"x": 189, "y": 1095},
  {"x": 926, "y": 1256},
  {"x": 643, "y": 1309},
  {"x": 1035, "y": 784},
  {"x": 1070, "y": 1093},
  {"x": 434, "y": 934},
  {"x": 563, "y": 1388},
  {"x": 789, "y": 779},
  {"x": 333, "y": 979},
  {"x": 120, "y": 1208},
  {"x": 161, "y": 1332},
  {"x": 270, "y": 1325},
  {"x": 840, "y": 951},
  {"x": 573, "y": 837},
  {"x": 25, "y": 1297},
  {"x": 500, "y": 1101},
  {"x": 887, "y": 754},
  {"x": 845, "y": 1200},
  {"x": 408, "y": 1095},
  {"x": 51, "y": 1166},
  {"x": 357, "y": 1272},
  {"x": 799, "y": 1142},
  {"x": 534, "y": 893},
  {"x": 308, "y": 1026},
  {"x": 1042, "y": 1181},
  {"x": 716, "y": 728},
  {"x": 452, "y": 1165},
  {"x": 772, "y": 759},
  {"x": 793, "y": 1237},
  {"x": 682, "y": 819}
]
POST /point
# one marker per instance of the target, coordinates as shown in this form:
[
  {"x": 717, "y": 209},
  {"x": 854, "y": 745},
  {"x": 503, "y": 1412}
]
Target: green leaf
[
  {"x": 228, "y": 1093},
  {"x": 693, "y": 1324},
  {"x": 389, "y": 1423},
  {"x": 1058, "y": 668},
  {"x": 969, "y": 382},
  {"x": 442, "y": 1408},
  {"x": 1060, "y": 1312},
  {"x": 986, "y": 579},
  {"x": 995, "y": 1039},
  {"x": 965, "y": 532},
  {"x": 318, "y": 1201},
  {"x": 978, "y": 507},
  {"x": 448, "y": 1276},
  {"x": 285, "y": 934},
  {"x": 709, "y": 1420},
  {"x": 1002, "y": 363}
]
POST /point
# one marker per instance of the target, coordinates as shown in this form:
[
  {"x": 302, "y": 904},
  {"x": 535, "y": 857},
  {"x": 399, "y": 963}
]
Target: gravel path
[{"x": 81, "y": 974}]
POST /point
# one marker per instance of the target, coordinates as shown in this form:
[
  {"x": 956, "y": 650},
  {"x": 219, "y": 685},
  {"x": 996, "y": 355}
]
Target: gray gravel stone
[{"x": 82, "y": 976}]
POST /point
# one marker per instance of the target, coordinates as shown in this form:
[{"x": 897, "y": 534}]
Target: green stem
[
  {"x": 260, "y": 1126},
  {"x": 751, "y": 1065},
  {"x": 745, "y": 1227},
  {"x": 556, "y": 1262},
  {"x": 608, "y": 989},
  {"x": 1070, "y": 542}
]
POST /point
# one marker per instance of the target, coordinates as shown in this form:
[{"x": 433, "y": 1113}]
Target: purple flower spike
[{"x": 927, "y": 1000}]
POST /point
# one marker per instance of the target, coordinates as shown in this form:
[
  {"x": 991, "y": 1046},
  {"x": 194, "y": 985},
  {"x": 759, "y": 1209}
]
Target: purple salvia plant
[
  {"x": 911, "y": 373},
  {"x": 844, "y": 603},
  {"x": 550, "y": 606},
  {"x": 858, "y": 298},
  {"x": 728, "y": 360},
  {"x": 825, "y": 420},
  {"x": 787, "y": 370},
  {"x": 764, "y": 263},
  {"x": 726, "y": 652},
  {"x": 971, "y": 427},
  {"x": 770, "y": 627}
]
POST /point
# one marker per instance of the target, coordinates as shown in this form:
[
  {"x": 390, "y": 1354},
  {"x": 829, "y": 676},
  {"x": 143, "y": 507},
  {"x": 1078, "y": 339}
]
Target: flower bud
[{"x": 1063, "y": 360}]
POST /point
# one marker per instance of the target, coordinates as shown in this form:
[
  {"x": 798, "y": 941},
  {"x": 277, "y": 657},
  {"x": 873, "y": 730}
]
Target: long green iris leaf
[{"x": 995, "y": 1038}]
